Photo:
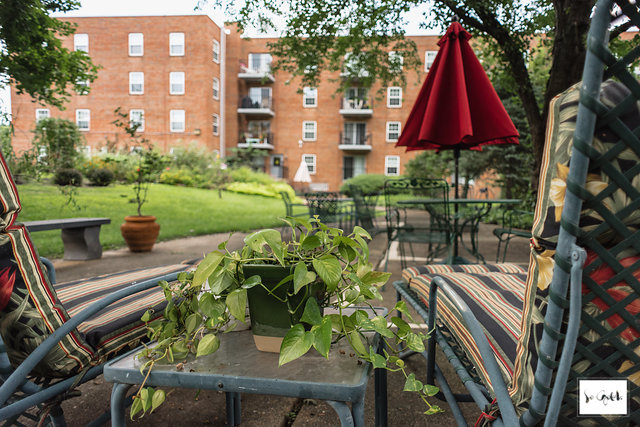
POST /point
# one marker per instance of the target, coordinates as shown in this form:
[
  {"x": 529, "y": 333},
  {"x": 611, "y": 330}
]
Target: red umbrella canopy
[{"x": 457, "y": 106}]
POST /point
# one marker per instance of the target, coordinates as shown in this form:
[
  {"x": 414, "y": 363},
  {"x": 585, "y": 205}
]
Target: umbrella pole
[{"x": 456, "y": 157}]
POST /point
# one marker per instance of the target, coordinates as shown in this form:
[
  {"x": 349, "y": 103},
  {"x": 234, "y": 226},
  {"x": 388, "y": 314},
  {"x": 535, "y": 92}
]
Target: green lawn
[{"x": 181, "y": 211}]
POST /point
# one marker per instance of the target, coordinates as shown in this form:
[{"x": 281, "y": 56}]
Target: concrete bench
[{"x": 80, "y": 236}]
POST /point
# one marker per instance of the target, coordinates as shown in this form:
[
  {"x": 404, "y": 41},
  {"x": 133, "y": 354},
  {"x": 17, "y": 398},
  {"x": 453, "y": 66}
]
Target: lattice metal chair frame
[
  {"x": 365, "y": 208},
  {"x": 588, "y": 316},
  {"x": 436, "y": 233},
  {"x": 331, "y": 208},
  {"x": 510, "y": 229}
]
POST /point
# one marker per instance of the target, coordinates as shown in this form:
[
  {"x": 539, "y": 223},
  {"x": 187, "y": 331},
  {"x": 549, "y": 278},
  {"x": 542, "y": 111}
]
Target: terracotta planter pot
[
  {"x": 140, "y": 232},
  {"x": 271, "y": 319}
]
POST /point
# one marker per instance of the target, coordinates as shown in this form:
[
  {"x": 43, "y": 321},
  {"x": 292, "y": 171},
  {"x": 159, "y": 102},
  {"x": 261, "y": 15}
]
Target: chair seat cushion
[
  {"x": 508, "y": 268},
  {"x": 496, "y": 299},
  {"x": 119, "y": 324}
]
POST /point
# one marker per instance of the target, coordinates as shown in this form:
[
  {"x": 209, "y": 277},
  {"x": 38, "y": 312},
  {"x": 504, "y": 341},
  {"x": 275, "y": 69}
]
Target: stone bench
[{"x": 80, "y": 236}]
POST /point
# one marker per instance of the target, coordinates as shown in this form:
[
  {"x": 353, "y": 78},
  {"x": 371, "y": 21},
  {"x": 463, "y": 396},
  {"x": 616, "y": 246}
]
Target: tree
[
  {"x": 57, "y": 143},
  {"x": 32, "y": 56},
  {"x": 319, "y": 33}
]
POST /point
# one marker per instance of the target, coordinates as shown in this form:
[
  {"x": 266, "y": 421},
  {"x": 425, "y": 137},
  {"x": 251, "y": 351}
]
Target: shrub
[
  {"x": 59, "y": 140},
  {"x": 245, "y": 174},
  {"x": 192, "y": 157},
  {"x": 100, "y": 177},
  {"x": 370, "y": 183},
  {"x": 178, "y": 177},
  {"x": 68, "y": 177}
]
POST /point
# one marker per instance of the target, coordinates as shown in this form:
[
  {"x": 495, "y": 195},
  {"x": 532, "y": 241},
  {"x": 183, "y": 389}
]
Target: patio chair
[
  {"x": 331, "y": 208},
  {"x": 289, "y": 206},
  {"x": 520, "y": 343},
  {"x": 55, "y": 336},
  {"x": 411, "y": 223},
  {"x": 511, "y": 227},
  {"x": 365, "y": 207}
]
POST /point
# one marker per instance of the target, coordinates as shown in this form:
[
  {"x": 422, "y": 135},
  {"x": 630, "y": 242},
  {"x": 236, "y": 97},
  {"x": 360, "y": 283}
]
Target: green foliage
[
  {"x": 369, "y": 184},
  {"x": 56, "y": 143},
  {"x": 32, "y": 55},
  {"x": 248, "y": 181},
  {"x": 100, "y": 177},
  {"x": 121, "y": 165},
  {"x": 244, "y": 157},
  {"x": 68, "y": 177},
  {"x": 246, "y": 174}
]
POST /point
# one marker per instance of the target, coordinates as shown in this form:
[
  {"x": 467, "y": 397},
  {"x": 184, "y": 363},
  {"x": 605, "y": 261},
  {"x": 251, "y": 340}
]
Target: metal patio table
[
  {"x": 238, "y": 367},
  {"x": 459, "y": 222}
]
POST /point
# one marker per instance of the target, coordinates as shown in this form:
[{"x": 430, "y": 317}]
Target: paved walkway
[{"x": 187, "y": 407}]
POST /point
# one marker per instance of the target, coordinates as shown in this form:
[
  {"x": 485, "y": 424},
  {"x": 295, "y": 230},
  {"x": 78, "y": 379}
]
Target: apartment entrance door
[{"x": 276, "y": 166}]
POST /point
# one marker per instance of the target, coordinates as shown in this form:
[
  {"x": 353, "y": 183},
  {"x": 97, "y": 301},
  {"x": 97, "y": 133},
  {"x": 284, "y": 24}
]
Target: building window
[
  {"x": 394, "y": 97},
  {"x": 136, "y": 44},
  {"x": 353, "y": 166},
  {"x": 355, "y": 98},
  {"x": 176, "y": 121},
  {"x": 355, "y": 133},
  {"x": 260, "y": 62},
  {"x": 393, "y": 131},
  {"x": 42, "y": 113},
  {"x": 429, "y": 57},
  {"x": 216, "y": 51},
  {"x": 216, "y": 88},
  {"x": 81, "y": 42},
  {"x": 83, "y": 119},
  {"x": 136, "y": 118},
  {"x": 310, "y": 97},
  {"x": 136, "y": 83},
  {"x": 392, "y": 165},
  {"x": 216, "y": 124},
  {"x": 395, "y": 62},
  {"x": 309, "y": 131},
  {"x": 176, "y": 44},
  {"x": 310, "y": 160},
  {"x": 82, "y": 87},
  {"x": 176, "y": 83}
]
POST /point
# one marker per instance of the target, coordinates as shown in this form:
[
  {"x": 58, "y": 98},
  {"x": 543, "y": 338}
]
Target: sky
[{"x": 169, "y": 7}]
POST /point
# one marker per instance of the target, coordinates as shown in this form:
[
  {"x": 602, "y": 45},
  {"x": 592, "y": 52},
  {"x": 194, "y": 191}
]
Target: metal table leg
[
  {"x": 233, "y": 409},
  {"x": 344, "y": 413},
  {"x": 118, "y": 393}
]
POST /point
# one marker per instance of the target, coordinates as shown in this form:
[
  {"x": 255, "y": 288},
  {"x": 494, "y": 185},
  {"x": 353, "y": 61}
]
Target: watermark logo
[{"x": 603, "y": 397}]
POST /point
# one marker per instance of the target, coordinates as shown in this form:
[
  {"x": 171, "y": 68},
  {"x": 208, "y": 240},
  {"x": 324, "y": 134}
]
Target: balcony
[
  {"x": 256, "y": 75},
  {"x": 357, "y": 143},
  {"x": 251, "y": 140},
  {"x": 356, "y": 108},
  {"x": 253, "y": 106}
]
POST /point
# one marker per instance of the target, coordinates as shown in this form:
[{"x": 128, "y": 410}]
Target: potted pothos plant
[
  {"x": 140, "y": 232},
  {"x": 314, "y": 278}
]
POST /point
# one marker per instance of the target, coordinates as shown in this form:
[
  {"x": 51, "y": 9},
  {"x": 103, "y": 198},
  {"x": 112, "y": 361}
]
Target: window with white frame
[
  {"x": 176, "y": 121},
  {"x": 309, "y": 130},
  {"x": 310, "y": 160},
  {"x": 136, "y": 44},
  {"x": 310, "y": 97},
  {"x": 394, "y": 97},
  {"x": 216, "y": 51},
  {"x": 393, "y": 131},
  {"x": 136, "y": 118},
  {"x": 136, "y": 83},
  {"x": 216, "y": 88},
  {"x": 83, "y": 119},
  {"x": 429, "y": 57},
  {"x": 395, "y": 62},
  {"x": 176, "y": 83},
  {"x": 176, "y": 44},
  {"x": 81, "y": 42},
  {"x": 42, "y": 113},
  {"x": 216, "y": 124},
  {"x": 260, "y": 62},
  {"x": 82, "y": 86},
  {"x": 392, "y": 165}
]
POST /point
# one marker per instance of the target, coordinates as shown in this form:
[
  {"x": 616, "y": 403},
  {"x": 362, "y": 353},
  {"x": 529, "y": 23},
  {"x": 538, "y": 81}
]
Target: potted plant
[
  {"x": 140, "y": 232},
  {"x": 317, "y": 268}
]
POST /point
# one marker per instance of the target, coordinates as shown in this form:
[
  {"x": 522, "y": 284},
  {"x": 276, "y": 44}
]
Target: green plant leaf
[
  {"x": 434, "y": 409},
  {"x": 377, "y": 360},
  {"x": 237, "y": 303},
  {"x": 375, "y": 278},
  {"x": 252, "y": 281},
  {"x": 206, "y": 267},
  {"x": 146, "y": 316},
  {"x": 311, "y": 242},
  {"x": 403, "y": 327},
  {"x": 311, "y": 314},
  {"x": 208, "y": 306},
  {"x": 430, "y": 390},
  {"x": 330, "y": 271},
  {"x": 322, "y": 337},
  {"x": 359, "y": 231},
  {"x": 192, "y": 322},
  {"x": 356, "y": 343},
  {"x": 222, "y": 282},
  {"x": 363, "y": 246},
  {"x": 295, "y": 344},
  {"x": 136, "y": 406},
  {"x": 157, "y": 400},
  {"x": 146, "y": 394},
  {"x": 302, "y": 277},
  {"x": 414, "y": 342},
  {"x": 208, "y": 344},
  {"x": 380, "y": 326},
  {"x": 270, "y": 237},
  {"x": 412, "y": 384}
]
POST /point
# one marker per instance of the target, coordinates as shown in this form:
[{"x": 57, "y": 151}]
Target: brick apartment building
[{"x": 189, "y": 81}]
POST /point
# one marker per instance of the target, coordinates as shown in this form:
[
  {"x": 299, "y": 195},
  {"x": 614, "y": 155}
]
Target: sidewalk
[{"x": 187, "y": 407}]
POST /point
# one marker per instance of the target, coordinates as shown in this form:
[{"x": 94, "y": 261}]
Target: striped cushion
[
  {"x": 496, "y": 299},
  {"x": 508, "y": 268},
  {"x": 9, "y": 201},
  {"x": 119, "y": 324}
]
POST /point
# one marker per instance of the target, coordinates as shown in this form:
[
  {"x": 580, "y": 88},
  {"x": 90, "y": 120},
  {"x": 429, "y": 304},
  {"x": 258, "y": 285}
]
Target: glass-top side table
[{"x": 238, "y": 367}]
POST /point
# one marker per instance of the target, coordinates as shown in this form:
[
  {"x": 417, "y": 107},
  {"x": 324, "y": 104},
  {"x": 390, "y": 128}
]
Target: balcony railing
[
  {"x": 356, "y": 107},
  {"x": 256, "y": 106},
  {"x": 262, "y": 141},
  {"x": 357, "y": 143},
  {"x": 261, "y": 74}
]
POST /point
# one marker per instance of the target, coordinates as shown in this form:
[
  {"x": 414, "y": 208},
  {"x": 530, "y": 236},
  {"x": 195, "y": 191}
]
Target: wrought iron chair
[
  {"x": 289, "y": 206},
  {"x": 511, "y": 228},
  {"x": 365, "y": 207},
  {"x": 55, "y": 336},
  {"x": 412, "y": 221},
  {"x": 331, "y": 208},
  {"x": 521, "y": 342}
]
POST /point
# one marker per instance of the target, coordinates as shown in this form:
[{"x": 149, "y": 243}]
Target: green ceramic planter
[{"x": 271, "y": 319}]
